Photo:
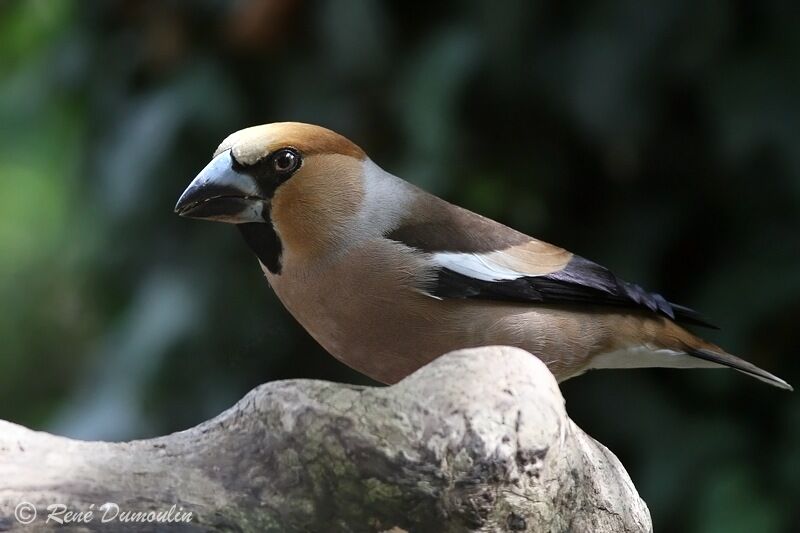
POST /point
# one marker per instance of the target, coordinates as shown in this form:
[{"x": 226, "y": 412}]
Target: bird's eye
[{"x": 285, "y": 161}]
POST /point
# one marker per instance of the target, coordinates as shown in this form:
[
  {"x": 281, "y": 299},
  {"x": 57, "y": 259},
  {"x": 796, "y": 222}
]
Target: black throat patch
[{"x": 262, "y": 239}]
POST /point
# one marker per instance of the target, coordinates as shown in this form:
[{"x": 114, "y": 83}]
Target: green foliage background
[{"x": 659, "y": 138}]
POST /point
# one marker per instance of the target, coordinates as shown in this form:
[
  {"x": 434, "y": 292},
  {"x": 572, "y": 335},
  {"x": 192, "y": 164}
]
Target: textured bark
[{"x": 479, "y": 440}]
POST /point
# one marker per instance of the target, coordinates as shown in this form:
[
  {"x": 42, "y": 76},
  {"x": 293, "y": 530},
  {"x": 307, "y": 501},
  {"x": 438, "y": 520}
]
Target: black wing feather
[{"x": 580, "y": 282}]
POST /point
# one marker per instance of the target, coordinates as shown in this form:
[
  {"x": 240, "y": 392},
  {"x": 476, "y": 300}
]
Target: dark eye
[{"x": 285, "y": 161}]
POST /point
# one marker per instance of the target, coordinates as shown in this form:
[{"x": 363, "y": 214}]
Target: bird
[{"x": 387, "y": 277}]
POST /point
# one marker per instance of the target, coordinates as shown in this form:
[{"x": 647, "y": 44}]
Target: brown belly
[{"x": 363, "y": 328}]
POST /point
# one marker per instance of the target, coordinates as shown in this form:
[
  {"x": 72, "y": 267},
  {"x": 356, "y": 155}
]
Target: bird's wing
[{"x": 476, "y": 257}]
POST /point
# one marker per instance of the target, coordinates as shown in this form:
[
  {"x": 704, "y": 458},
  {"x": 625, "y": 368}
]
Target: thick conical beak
[{"x": 222, "y": 193}]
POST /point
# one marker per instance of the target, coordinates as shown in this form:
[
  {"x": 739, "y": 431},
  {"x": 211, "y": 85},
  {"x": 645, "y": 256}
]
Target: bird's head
[{"x": 306, "y": 181}]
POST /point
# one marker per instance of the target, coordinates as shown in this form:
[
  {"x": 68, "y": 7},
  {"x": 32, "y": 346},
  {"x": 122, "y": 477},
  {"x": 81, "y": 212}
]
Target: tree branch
[{"x": 478, "y": 440}]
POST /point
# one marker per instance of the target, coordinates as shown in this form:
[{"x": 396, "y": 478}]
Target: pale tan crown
[{"x": 252, "y": 144}]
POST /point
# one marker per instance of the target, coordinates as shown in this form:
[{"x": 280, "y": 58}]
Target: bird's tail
[{"x": 725, "y": 359}]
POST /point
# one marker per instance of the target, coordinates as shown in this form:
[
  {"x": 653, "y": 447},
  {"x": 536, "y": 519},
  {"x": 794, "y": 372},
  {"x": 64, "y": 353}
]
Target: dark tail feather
[
  {"x": 686, "y": 315},
  {"x": 741, "y": 365}
]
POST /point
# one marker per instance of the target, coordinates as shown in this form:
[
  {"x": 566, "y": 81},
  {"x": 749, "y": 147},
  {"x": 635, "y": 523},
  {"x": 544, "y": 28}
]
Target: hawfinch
[{"x": 387, "y": 277}]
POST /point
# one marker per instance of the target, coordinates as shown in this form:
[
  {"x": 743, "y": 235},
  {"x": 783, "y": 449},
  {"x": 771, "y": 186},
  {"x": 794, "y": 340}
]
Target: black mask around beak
[{"x": 222, "y": 193}]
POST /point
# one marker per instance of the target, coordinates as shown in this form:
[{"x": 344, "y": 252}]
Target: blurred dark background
[{"x": 659, "y": 138}]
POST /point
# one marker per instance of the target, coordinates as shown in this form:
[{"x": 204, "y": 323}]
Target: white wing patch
[{"x": 475, "y": 266}]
